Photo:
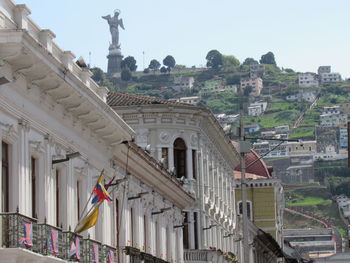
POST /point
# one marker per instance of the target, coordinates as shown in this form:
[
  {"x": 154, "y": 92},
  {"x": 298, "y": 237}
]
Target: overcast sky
[{"x": 302, "y": 34}]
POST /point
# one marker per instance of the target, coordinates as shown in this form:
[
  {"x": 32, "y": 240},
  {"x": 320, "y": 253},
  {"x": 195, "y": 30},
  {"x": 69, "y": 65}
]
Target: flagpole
[{"x": 98, "y": 203}]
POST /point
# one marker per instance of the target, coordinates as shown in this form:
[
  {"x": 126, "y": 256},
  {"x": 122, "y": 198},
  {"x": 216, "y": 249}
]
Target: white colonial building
[
  {"x": 190, "y": 143},
  {"x": 57, "y": 133}
]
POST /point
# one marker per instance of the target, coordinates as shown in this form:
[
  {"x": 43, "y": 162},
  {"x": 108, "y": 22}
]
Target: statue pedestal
[{"x": 115, "y": 58}]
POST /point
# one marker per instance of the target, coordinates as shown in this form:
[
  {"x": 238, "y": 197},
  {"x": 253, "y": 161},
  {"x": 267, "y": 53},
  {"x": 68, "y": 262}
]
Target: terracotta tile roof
[
  {"x": 258, "y": 168},
  {"x": 116, "y": 98}
]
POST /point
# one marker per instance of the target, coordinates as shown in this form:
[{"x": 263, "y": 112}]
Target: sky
[{"x": 303, "y": 34}]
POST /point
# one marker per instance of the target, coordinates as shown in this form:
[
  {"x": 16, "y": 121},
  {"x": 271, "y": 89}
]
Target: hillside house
[
  {"x": 255, "y": 83},
  {"x": 182, "y": 82},
  {"x": 189, "y": 100},
  {"x": 308, "y": 80},
  {"x": 328, "y": 78},
  {"x": 257, "y": 108},
  {"x": 256, "y": 70},
  {"x": 302, "y": 96},
  {"x": 323, "y": 69},
  {"x": 301, "y": 148},
  {"x": 252, "y": 128}
]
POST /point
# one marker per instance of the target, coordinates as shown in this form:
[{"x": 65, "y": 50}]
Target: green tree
[
  {"x": 154, "y": 65},
  {"x": 229, "y": 61},
  {"x": 250, "y": 61},
  {"x": 169, "y": 62},
  {"x": 129, "y": 62},
  {"x": 146, "y": 70},
  {"x": 97, "y": 74},
  {"x": 214, "y": 59},
  {"x": 126, "y": 74},
  {"x": 268, "y": 58},
  {"x": 163, "y": 70}
]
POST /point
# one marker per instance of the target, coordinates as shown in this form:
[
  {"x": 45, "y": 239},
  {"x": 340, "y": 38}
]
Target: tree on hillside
[
  {"x": 214, "y": 59},
  {"x": 229, "y": 61},
  {"x": 163, "y": 70},
  {"x": 169, "y": 62},
  {"x": 126, "y": 74},
  {"x": 129, "y": 62},
  {"x": 97, "y": 74},
  {"x": 250, "y": 61},
  {"x": 268, "y": 58},
  {"x": 154, "y": 65}
]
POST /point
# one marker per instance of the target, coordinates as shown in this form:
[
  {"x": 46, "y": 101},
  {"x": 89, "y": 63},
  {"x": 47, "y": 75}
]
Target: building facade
[
  {"x": 328, "y": 78},
  {"x": 190, "y": 143},
  {"x": 308, "y": 80},
  {"x": 255, "y": 83},
  {"x": 57, "y": 133}
]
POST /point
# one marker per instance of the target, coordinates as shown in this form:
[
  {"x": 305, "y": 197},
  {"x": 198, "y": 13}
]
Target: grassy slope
[{"x": 316, "y": 200}]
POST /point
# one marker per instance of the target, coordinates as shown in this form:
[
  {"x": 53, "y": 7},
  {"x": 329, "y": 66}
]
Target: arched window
[
  {"x": 249, "y": 209},
  {"x": 180, "y": 157}
]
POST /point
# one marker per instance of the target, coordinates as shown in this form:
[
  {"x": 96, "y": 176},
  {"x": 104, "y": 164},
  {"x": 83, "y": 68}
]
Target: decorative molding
[{"x": 164, "y": 137}]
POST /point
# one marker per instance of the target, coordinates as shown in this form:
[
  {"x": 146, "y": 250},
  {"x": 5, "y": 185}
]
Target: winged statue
[{"x": 114, "y": 24}]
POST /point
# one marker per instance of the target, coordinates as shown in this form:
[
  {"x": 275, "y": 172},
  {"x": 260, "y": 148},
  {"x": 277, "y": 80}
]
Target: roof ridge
[{"x": 114, "y": 99}]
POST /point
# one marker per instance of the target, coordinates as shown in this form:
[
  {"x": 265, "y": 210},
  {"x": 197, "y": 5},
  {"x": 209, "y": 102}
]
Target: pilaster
[
  {"x": 45, "y": 37},
  {"x": 21, "y": 13}
]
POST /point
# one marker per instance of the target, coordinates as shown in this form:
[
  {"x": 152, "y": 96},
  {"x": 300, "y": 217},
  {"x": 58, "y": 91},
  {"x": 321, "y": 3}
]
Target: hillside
[{"x": 278, "y": 84}]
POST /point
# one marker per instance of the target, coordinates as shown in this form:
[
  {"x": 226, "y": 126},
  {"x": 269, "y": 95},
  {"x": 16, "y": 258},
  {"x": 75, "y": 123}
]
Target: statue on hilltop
[{"x": 114, "y": 24}]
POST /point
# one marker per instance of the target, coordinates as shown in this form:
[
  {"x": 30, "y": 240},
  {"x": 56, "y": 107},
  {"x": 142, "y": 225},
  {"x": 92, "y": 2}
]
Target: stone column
[
  {"x": 179, "y": 255},
  {"x": 191, "y": 230},
  {"x": 171, "y": 157},
  {"x": 189, "y": 169},
  {"x": 21, "y": 174}
]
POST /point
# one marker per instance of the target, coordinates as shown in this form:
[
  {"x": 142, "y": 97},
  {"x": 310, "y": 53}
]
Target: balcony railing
[
  {"x": 211, "y": 255},
  {"x": 19, "y": 231}
]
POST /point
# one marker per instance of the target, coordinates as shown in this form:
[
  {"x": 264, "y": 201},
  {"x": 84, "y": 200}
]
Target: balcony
[
  {"x": 212, "y": 255},
  {"x": 37, "y": 240}
]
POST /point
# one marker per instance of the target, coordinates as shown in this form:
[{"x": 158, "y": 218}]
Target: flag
[
  {"x": 74, "y": 252},
  {"x": 88, "y": 222},
  {"x": 100, "y": 191},
  {"x": 53, "y": 242},
  {"x": 28, "y": 234},
  {"x": 95, "y": 248},
  {"x": 110, "y": 256}
]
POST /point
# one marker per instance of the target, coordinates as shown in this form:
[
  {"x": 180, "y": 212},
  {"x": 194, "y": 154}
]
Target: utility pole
[{"x": 243, "y": 148}]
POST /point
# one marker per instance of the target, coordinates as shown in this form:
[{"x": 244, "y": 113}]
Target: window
[
  {"x": 180, "y": 157},
  {"x": 165, "y": 157},
  {"x": 131, "y": 227},
  {"x": 5, "y": 206},
  {"x": 249, "y": 209},
  {"x": 195, "y": 223},
  {"x": 185, "y": 229},
  {"x": 33, "y": 186},
  {"x": 78, "y": 200},
  {"x": 117, "y": 221},
  {"x": 57, "y": 200},
  {"x": 145, "y": 230},
  {"x": 194, "y": 164}
]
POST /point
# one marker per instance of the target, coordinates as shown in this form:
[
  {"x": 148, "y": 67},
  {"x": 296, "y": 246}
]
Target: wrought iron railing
[
  {"x": 14, "y": 229},
  {"x": 19, "y": 231}
]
